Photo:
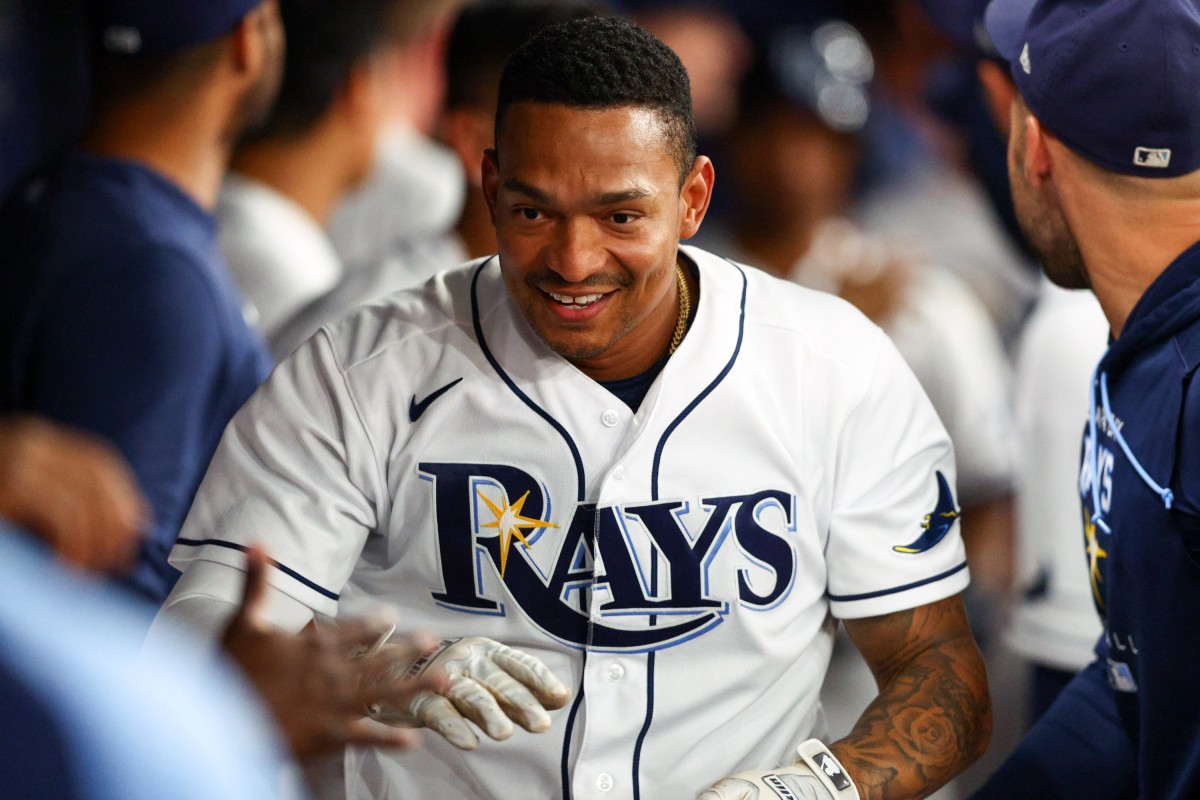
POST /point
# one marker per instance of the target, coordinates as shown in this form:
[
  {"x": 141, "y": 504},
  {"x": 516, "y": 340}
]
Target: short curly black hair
[{"x": 603, "y": 62}]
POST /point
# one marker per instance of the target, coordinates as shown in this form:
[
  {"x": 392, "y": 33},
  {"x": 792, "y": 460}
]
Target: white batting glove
[
  {"x": 489, "y": 684},
  {"x": 817, "y": 776}
]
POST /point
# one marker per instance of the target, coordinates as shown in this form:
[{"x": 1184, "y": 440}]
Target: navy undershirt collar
[{"x": 632, "y": 391}]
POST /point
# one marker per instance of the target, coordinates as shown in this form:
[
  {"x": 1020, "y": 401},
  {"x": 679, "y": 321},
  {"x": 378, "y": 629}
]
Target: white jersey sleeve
[
  {"x": 894, "y": 533},
  {"x": 947, "y": 338},
  {"x": 296, "y": 472}
]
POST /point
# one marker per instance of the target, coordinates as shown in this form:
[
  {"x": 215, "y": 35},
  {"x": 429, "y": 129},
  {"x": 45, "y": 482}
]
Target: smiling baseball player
[{"x": 617, "y": 471}]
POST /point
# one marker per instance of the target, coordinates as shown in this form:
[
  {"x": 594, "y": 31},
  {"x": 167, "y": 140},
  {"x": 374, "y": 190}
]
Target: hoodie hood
[{"x": 1170, "y": 304}]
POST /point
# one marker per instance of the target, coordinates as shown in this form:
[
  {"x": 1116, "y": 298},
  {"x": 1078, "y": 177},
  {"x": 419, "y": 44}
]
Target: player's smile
[
  {"x": 576, "y": 308},
  {"x": 589, "y": 212},
  {"x": 581, "y": 301}
]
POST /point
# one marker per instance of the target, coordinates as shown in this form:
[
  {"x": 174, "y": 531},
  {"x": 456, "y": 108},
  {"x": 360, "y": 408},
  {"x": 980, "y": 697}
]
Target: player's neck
[
  {"x": 189, "y": 148},
  {"x": 1124, "y": 255}
]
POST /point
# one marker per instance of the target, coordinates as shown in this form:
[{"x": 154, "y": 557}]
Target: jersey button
[
  {"x": 610, "y": 418},
  {"x": 615, "y": 672},
  {"x": 604, "y": 782},
  {"x": 619, "y": 473}
]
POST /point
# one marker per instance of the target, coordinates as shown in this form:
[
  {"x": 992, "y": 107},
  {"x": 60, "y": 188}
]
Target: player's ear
[
  {"x": 695, "y": 196},
  {"x": 1038, "y": 163},
  {"x": 248, "y": 43},
  {"x": 491, "y": 179},
  {"x": 468, "y": 132}
]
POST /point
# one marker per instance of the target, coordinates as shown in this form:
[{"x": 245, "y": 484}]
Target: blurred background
[{"x": 857, "y": 151}]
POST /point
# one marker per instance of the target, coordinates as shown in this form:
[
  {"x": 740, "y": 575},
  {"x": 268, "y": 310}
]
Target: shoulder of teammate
[{"x": 143, "y": 332}]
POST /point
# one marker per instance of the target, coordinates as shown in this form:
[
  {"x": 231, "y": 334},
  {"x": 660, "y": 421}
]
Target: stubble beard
[{"x": 1049, "y": 235}]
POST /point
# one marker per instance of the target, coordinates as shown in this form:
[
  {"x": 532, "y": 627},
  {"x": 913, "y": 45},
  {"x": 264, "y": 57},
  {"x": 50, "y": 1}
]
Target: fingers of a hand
[
  {"x": 350, "y": 636},
  {"x": 477, "y": 704},
  {"x": 129, "y": 521},
  {"x": 381, "y": 679},
  {"x": 439, "y": 715},
  {"x": 401, "y": 650},
  {"x": 64, "y": 526},
  {"x": 730, "y": 789},
  {"x": 374, "y": 639},
  {"x": 366, "y": 732},
  {"x": 117, "y": 535},
  {"x": 529, "y": 670},
  {"x": 517, "y": 702},
  {"x": 254, "y": 593}
]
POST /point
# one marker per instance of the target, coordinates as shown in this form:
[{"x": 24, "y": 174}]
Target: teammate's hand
[
  {"x": 488, "y": 683},
  {"x": 317, "y": 683},
  {"x": 73, "y": 491},
  {"x": 796, "y": 781}
]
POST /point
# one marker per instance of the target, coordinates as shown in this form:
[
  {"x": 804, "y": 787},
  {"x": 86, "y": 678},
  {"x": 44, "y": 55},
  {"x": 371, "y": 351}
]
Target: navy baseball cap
[
  {"x": 1118, "y": 81},
  {"x": 135, "y": 27}
]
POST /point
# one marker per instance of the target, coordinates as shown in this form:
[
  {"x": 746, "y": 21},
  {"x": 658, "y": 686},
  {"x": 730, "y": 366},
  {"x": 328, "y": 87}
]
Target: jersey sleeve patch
[{"x": 937, "y": 523}]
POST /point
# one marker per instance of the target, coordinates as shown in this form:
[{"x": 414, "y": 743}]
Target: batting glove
[
  {"x": 816, "y": 776},
  {"x": 487, "y": 683}
]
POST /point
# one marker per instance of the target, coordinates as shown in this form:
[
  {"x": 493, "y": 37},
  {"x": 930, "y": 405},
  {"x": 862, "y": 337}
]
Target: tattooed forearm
[{"x": 932, "y": 717}]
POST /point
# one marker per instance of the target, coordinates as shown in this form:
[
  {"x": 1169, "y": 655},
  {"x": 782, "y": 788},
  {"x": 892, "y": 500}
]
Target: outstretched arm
[{"x": 932, "y": 717}]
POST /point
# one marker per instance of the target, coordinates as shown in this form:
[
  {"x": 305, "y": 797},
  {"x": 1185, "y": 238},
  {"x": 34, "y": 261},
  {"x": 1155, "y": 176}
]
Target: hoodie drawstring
[{"x": 1168, "y": 497}]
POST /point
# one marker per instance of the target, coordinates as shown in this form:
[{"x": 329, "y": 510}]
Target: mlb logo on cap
[
  {"x": 1117, "y": 81},
  {"x": 1149, "y": 157}
]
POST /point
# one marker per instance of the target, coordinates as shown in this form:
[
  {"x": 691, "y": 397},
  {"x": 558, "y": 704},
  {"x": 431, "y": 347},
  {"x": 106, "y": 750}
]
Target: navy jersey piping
[
  {"x": 637, "y": 748},
  {"x": 662, "y": 443},
  {"x": 580, "y": 475},
  {"x": 541, "y": 412},
  {"x": 566, "y": 751},
  {"x": 286, "y": 570},
  {"x": 843, "y": 598}
]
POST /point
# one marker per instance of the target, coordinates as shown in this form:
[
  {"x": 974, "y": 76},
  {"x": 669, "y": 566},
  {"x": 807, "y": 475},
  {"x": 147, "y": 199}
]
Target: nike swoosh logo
[{"x": 416, "y": 409}]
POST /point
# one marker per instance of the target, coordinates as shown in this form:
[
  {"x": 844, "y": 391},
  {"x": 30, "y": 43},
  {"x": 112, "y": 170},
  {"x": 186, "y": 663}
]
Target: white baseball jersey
[
  {"x": 1064, "y": 340},
  {"x": 681, "y": 567}
]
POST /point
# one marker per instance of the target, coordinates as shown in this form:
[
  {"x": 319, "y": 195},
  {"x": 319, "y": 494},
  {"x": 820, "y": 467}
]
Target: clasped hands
[{"x": 321, "y": 684}]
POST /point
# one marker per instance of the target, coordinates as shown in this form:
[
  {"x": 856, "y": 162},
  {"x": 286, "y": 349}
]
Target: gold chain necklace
[{"x": 685, "y": 309}]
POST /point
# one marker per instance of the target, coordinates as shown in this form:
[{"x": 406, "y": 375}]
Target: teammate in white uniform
[{"x": 479, "y": 454}]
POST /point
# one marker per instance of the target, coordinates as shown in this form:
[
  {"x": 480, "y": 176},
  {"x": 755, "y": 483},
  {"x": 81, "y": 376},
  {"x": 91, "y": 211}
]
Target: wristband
[{"x": 827, "y": 769}]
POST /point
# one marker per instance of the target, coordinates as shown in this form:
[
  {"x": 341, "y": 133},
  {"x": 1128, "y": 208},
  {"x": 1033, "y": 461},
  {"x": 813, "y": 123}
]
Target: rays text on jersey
[{"x": 634, "y": 577}]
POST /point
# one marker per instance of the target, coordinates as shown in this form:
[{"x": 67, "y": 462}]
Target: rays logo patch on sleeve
[{"x": 937, "y": 523}]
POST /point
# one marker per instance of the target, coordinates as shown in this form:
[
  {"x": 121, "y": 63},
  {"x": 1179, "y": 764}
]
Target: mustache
[{"x": 547, "y": 280}]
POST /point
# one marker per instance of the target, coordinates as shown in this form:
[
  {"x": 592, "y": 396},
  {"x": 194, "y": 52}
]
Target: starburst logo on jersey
[
  {"x": 509, "y": 523},
  {"x": 627, "y": 578},
  {"x": 937, "y": 523},
  {"x": 1095, "y": 555}
]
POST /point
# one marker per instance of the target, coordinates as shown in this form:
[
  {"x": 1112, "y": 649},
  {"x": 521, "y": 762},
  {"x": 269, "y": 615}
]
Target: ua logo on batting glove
[
  {"x": 489, "y": 684},
  {"x": 817, "y": 776}
]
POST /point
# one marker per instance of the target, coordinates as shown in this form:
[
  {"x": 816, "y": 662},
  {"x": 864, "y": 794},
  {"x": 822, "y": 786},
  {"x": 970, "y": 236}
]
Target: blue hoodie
[
  {"x": 1141, "y": 498},
  {"x": 1129, "y": 725}
]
